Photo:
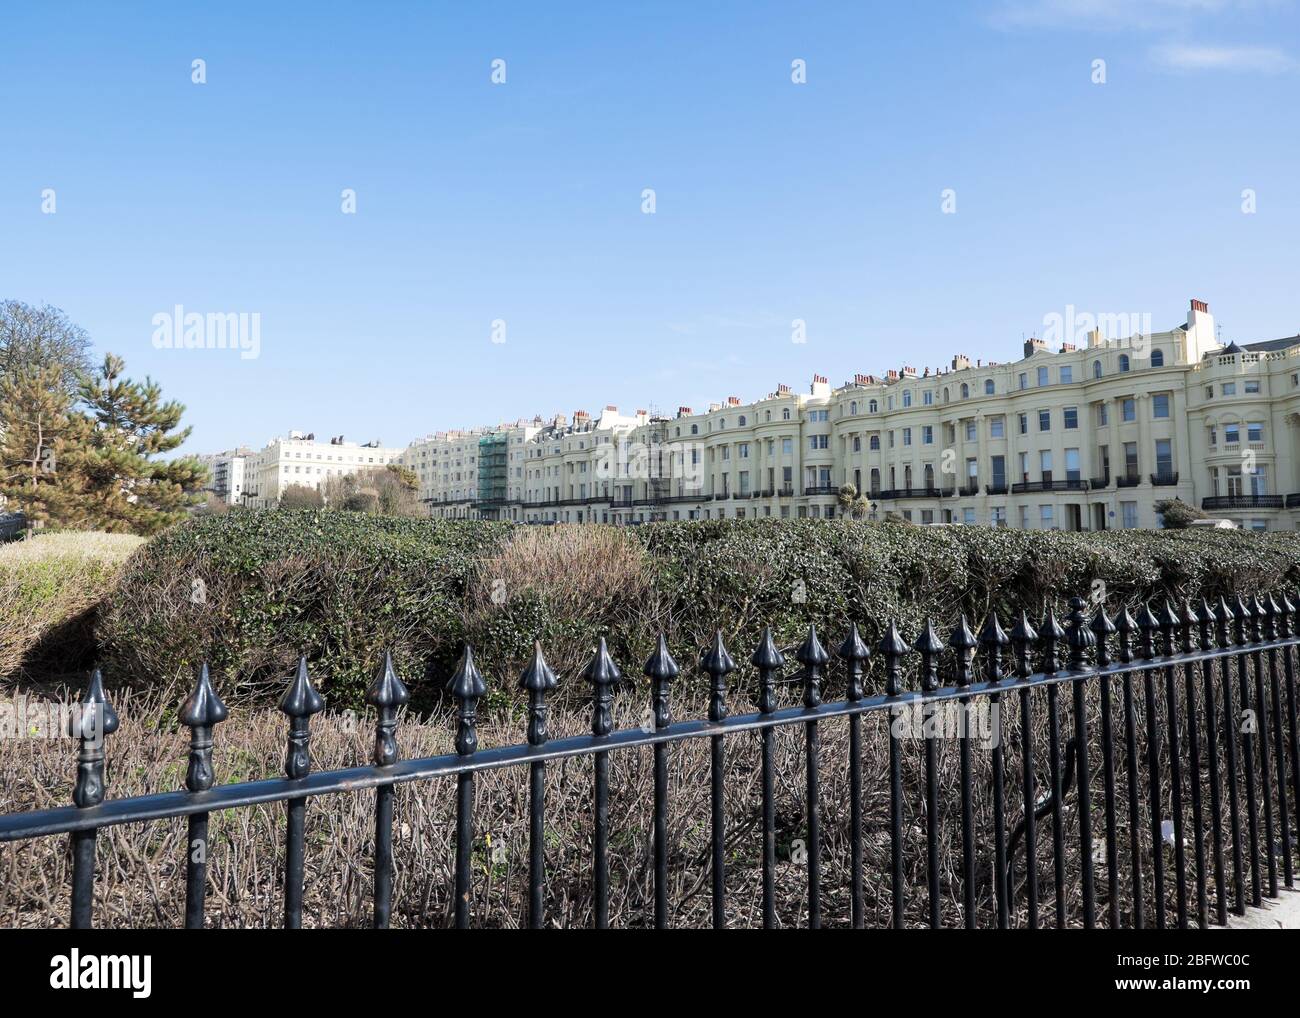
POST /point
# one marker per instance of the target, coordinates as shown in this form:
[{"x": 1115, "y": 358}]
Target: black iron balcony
[
  {"x": 699, "y": 496},
  {"x": 1293, "y": 501},
  {"x": 1128, "y": 480},
  {"x": 970, "y": 489},
  {"x": 1062, "y": 484},
  {"x": 898, "y": 493},
  {"x": 1242, "y": 502},
  {"x": 720, "y": 496},
  {"x": 995, "y": 489},
  {"x": 822, "y": 489},
  {"x": 786, "y": 492},
  {"x": 1164, "y": 480},
  {"x": 1100, "y": 482}
]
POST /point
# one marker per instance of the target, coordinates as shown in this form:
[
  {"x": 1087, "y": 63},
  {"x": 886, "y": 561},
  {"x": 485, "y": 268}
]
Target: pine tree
[
  {"x": 127, "y": 489},
  {"x": 38, "y": 432}
]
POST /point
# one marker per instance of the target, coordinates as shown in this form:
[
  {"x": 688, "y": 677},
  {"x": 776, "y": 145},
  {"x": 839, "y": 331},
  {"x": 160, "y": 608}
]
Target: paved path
[{"x": 1280, "y": 913}]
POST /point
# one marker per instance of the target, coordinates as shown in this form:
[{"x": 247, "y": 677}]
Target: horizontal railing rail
[{"x": 1209, "y": 644}]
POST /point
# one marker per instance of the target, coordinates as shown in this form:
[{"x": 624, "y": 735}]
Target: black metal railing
[
  {"x": 1060, "y": 484},
  {"x": 1165, "y": 480},
  {"x": 903, "y": 493},
  {"x": 1128, "y": 480},
  {"x": 1091, "y": 652},
  {"x": 1242, "y": 502},
  {"x": 1100, "y": 482},
  {"x": 821, "y": 489},
  {"x": 1293, "y": 500}
]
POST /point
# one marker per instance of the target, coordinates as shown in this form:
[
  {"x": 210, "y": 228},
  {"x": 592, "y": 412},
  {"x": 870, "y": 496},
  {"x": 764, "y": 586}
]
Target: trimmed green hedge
[
  {"x": 343, "y": 586},
  {"x": 250, "y": 591}
]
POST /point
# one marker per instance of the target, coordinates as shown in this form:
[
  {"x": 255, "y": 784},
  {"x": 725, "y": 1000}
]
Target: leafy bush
[
  {"x": 250, "y": 591},
  {"x": 49, "y": 588},
  {"x": 1177, "y": 514}
]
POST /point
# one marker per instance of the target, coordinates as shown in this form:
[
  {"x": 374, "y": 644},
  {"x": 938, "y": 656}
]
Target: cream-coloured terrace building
[
  {"x": 1080, "y": 437},
  {"x": 300, "y": 459}
]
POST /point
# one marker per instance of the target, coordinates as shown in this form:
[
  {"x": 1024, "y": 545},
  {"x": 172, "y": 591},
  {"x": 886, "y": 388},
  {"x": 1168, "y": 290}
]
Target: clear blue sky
[{"x": 522, "y": 201}]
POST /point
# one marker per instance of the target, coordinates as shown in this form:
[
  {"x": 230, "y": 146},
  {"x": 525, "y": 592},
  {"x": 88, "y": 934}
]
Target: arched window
[
  {"x": 742, "y": 420},
  {"x": 695, "y": 429},
  {"x": 965, "y": 391},
  {"x": 857, "y": 443},
  {"x": 1157, "y": 358},
  {"x": 853, "y": 407},
  {"x": 785, "y": 414},
  {"x": 872, "y": 406},
  {"x": 988, "y": 387},
  {"x": 945, "y": 394},
  {"x": 1123, "y": 362},
  {"x": 1096, "y": 369},
  {"x": 767, "y": 415}
]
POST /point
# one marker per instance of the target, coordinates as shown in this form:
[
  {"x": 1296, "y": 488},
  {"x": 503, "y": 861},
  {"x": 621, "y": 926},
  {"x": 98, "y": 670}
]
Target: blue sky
[{"x": 522, "y": 201}]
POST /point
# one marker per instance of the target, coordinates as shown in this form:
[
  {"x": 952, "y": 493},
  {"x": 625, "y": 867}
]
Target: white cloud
[{"x": 1183, "y": 57}]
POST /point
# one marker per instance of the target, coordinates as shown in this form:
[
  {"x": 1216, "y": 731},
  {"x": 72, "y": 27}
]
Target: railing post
[
  {"x": 93, "y": 721},
  {"x": 467, "y": 686},
  {"x": 854, "y": 652},
  {"x": 1023, "y": 637},
  {"x": 769, "y": 661},
  {"x": 603, "y": 674},
  {"x": 1286, "y": 632},
  {"x": 300, "y": 702},
  {"x": 1051, "y": 635},
  {"x": 1168, "y": 620},
  {"x": 929, "y": 647},
  {"x": 1188, "y": 619},
  {"x": 1275, "y": 622},
  {"x": 1261, "y": 630},
  {"x": 1224, "y": 624},
  {"x": 1081, "y": 641},
  {"x": 963, "y": 643},
  {"x": 892, "y": 649},
  {"x": 813, "y": 657},
  {"x": 538, "y": 679},
  {"x": 1148, "y": 624},
  {"x": 386, "y": 694},
  {"x": 1205, "y": 626},
  {"x": 993, "y": 640},
  {"x": 201, "y": 712},
  {"x": 717, "y": 664},
  {"x": 1102, "y": 629},
  {"x": 661, "y": 669},
  {"x": 1127, "y": 626},
  {"x": 1244, "y": 633}
]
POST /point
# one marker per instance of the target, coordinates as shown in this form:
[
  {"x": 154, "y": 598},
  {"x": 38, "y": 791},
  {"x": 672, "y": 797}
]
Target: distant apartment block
[
  {"x": 1080, "y": 437},
  {"x": 300, "y": 459}
]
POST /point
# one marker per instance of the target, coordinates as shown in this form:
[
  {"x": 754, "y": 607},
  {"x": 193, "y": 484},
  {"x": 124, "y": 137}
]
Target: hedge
[
  {"x": 49, "y": 589},
  {"x": 341, "y": 587}
]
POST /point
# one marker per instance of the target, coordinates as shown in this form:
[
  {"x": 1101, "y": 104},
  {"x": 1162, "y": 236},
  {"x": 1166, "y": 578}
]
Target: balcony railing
[
  {"x": 1128, "y": 480},
  {"x": 897, "y": 493},
  {"x": 1100, "y": 482},
  {"x": 1063, "y": 484},
  {"x": 995, "y": 489},
  {"x": 1164, "y": 480},
  {"x": 969, "y": 489},
  {"x": 1293, "y": 501},
  {"x": 1242, "y": 502},
  {"x": 786, "y": 492},
  {"x": 821, "y": 489}
]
